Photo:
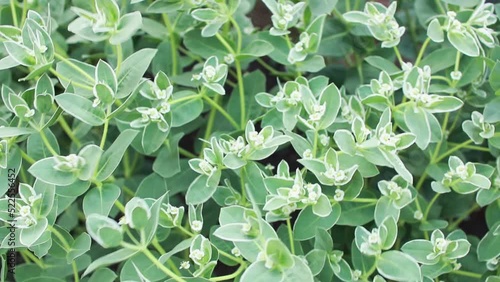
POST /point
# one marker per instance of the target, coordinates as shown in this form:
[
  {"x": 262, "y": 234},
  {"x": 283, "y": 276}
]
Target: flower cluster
[
  {"x": 159, "y": 93},
  {"x": 380, "y": 21},
  {"x": 71, "y": 163},
  {"x": 213, "y": 75},
  {"x": 285, "y": 15},
  {"x": 478, "y": 129},
  {"x": 462, "y": 178},
  {"x": 292, "y": 194}
]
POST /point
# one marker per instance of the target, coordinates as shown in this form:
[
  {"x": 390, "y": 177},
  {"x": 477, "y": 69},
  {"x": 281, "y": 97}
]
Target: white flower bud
[
  {"x": 185, "y": 265},
  {"x": 456, "y": 75},
  {"x": 339, "y": 195},
  {"x": 196, "y": 225}
]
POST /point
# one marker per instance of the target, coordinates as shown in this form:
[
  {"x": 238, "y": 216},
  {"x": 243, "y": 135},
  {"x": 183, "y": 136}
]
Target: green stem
[
  {"x": 429, "y": 206},
  {"x": 272, "y": 70},
  {"x": 230, "y": 276},
  {"x": 224, "y": 42},
  {"x": 164, "y": 269},
  {"x": 398, "y": 55},
  {"x": 422, "y": 51},
  {"x": 25, "y": 12},
  {"x": 160, "y": 249},
  {"x": 454, "y": 149},
  {"x": 47, "y": 143},
  {"x": 315, "y": 144},
  {"x": 105, "y": 130},
  {"x": 472, "y": 147},
  {"x": 120, "y": 206},
  {"x": 221, "y": 110},
  {"x": 467, "y": 273},
  {"x": 290, "y": 235},
  {"x": 67, "y": 247},
  {"x": 440, "y": 7},
  {"x": 75, "y": 67},
  {"x": 27, "y": 158},
  {"x": 126, "y": 165},
  {"x": 14, "y": 12},
  {"x": 32, "y": 257},
  {"x": 186, "y": 153},
  {"x": 77, "y": 84},
  {"x": 173, "y": 43},
  {"x": 241, "y": 90},
  {"x": 211, "y": 119},
  {"x": 459, "y": 220},
  {"x": 119, "y": 57},
  {"x": 185, "y": 98},
  {"x": 68, "y": 131}
]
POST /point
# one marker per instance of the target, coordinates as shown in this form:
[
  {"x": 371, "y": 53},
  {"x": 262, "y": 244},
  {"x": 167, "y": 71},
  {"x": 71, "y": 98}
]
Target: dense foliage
[{"x": 273, "y": 140}]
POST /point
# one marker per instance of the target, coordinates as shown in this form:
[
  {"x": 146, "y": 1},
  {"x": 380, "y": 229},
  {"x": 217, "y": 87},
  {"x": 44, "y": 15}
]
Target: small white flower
[
  {"x": 374, "y": 237},
  {"x": 236, "y": 252},
  {"x": 185, "y": 265},
  {"x": 209, "y": 73},
  {"x": 418, "y": 215},
  {"x": 456, "y": 75},
  {"x": 324, "y": 139},
  {"x": 269, "y": 167},
  {"x": 197, "y": 255},
  {"x": 296, "y": 96},
  {"x": 440, "y": 245},
  {"x": 196, "y": 77},
  {"x": 196, "y": 225},
  {"x": 256, "y": 138},
  {"x": 356, "y": 274},
  {"x": 461, "y": 172},
  {"x": 206, "y": 167},
  {"x": 339, "y": 195},
  {"x": 246, "y": 228},
  {"x": 24, "y": 211},
  {"x": 229, "y": 59},
  {"x": 307, "y": 154}
]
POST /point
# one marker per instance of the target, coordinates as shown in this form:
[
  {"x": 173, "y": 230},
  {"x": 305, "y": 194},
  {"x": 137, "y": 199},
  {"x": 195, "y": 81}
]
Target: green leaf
[
  {"x": 258, "y": 272},
  {"x": 416, "y": 120},
  {"x": 81, "y": 108},
  {"x": 255, "y": 182},
  {"x": 167, "y": 163},
  {"x": 489, "y": 246},
  {"x": 321, "y": 7},
  {"x": 199, "y": 192},
  {"x": 113, "y": 155},
  {"x": 100, "y": 200},
  {"x": 80, "y": 246},
  {"x": 494, "y": 79},
  {"x": 129, "y": 24},
  {"x": 440, "y": 59},
  {"x": 203, "y": 46},
  {"x": 257, "y": 48},
  {"x": 435, "y": 32},
  {"x": 384, "y": 209},
  {"x": 300, "y": 272},
  {"x": 91, "y": 154},
  {"x": 103, "y": 275},
  {"x": 132, "y": 70},
  {"x": 383, "y": 64},
  {"x": 307, "y": 222},
  {"x": 398, "y": 266},
  {"x": 330, "y": 97},
  {"x": 45, "y": 171},
  {"x": 109, "y": 259},
  {"x": 31, "y": 234},
  {"x": 491, "y": 112},
  {"x": 187, "y": 111},
  {"x": 6, "y": 132},
  {"x": 464, "y": 42},
  {"x": 37, "y": 148}
]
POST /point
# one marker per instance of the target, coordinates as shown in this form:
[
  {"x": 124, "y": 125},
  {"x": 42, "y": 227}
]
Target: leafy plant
[{"x": 198, "y": 140}]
